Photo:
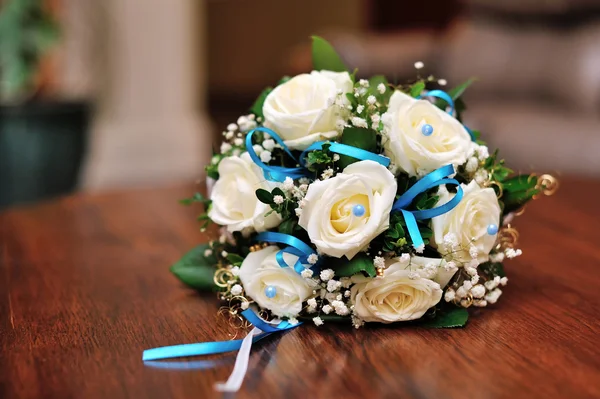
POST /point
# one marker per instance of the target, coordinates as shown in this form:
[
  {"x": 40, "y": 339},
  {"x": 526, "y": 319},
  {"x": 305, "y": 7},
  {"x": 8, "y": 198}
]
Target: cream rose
[
  {"x": 302, "y": 110},
  {"x": 234, "y": 202},
  {"x": 279, "y": 289},
  {"x": 470, "y": 227},
  {"x": 343, "y": 214},
  {"x": 398, "y": 295},
  {"x": 420, "y": 137}
]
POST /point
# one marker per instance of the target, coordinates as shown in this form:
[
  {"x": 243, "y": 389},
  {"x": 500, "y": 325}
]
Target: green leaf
[
  {"x": 458, "y": 91},
  {"x": 257, "y": 107},
  {"x": 235, "y": 259},
  {"x": 287, "y": 226},
  {"x": 451, "y": 318},
  {"x": 417, "y": 88},
  {"x": 278, "y": 191},
  {"x": 346, "y": 268},
  {"x": 196, "y": 270},
  {"x": 325, "y": 57},
  {"x": 357, "y": 137},
  {"x": 264, "y": 196},
  {"x": 517, "y": 191}
]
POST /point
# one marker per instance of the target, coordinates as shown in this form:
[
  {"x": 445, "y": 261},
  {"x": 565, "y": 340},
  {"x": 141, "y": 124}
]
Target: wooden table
[{"x": 85, "y": 287}]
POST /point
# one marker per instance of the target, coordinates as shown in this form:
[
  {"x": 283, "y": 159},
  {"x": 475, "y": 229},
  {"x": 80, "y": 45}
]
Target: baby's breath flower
[
  {"x": 268, "y": 144},
  {"x": 236, "y": 289},
  {"x": 327, "y": 173},
  {"x": 381, "y": 88},
  {"x": 306, "y": 273},
  {"x": 239, "y": 141},
  {"x": 379, "y": 262},
  {"x": 208, "y": 252},
  {"x": 326, "y": 274},
  {"x": 265, "y": 156},
  {"x": 313, "y": 259},
  {"x": 371, "y": 100},
  {"x": 442, "y": 82},
  {"x": 318, "y": 321},
  {"x": 363, "y": 83},
  {"x": 229, "y": 135},
  {"x": 359, "y": 109},
  {"x": 278, "y": 199},
  {"x": 419, "y": 65},
  {"x": 232, "y": 127},
  {"x": 327, "y": 309},
  {"x": 288, "y": 183},
  {"x": 225, "y": 147}
]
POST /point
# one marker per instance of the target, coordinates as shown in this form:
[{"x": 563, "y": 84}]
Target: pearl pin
[
  {"x": 358, "y": 210},
  {"x": 427, "y": 130},
  {"x": 492, "y": 229},
  {"x": 270, "y": 291}
]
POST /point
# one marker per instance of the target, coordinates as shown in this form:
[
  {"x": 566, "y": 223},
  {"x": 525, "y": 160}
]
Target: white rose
[
  {"x": 393, "y": 297},
  {"x": 413, "y": 151},
  {"x": 302, "y": 110},
  {"x": 468, "y": 223},
  {"x": 234, "y": 202},
  {"x": 344, "y": 213},
  {"x": 279, "y": 289}
]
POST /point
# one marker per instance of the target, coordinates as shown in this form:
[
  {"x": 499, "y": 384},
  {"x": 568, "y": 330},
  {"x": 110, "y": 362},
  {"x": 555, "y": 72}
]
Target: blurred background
[{"x": 113, "y": 94}]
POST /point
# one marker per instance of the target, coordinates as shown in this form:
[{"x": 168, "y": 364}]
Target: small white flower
[
  {"x": 327, "y": 309},
  {"x": 492, "y": 297},
  {"x": 478, "y": 291},
  {"x": 236, "y": 289},
  {"x": 336, "y": 157},
  {"x": 472, "y": 165},
  {"x": 461, "y": 292},
  {"x": 414, "y": 276},
  {"x": 474, "y": 252},
  {"x": 232, "y": 127},
  {"x": 347, "y": 294},
  {"x": 222, "y": 238},
  {"x": 306, "y": 273},
  {"x": 360, "y": 109},
  {"x": 326, "y": 274},
  {"x": 327, "y": 173},
  {"x": 467, "y": 284},
  {"x": 208, "y": 253},
  {"x": 304, "y": 187},
  {"x": 313, "y": 259},
  {"x": 229, "y": 135},
  {"x": 379, "y": 262},
  {"x": 490, "y": 284},
  {"x": 471, "y": 270},
  {"x": 238, "y": 142},
  {"x": 235, "y": 271},
  {"x": 512, "y": 253},
  {"x": 224, "y": 254},
  {"x": 442, "y": 82},
  {"x": 257, "y": 149},
  {"x": 225, "y": 147},
  {"x": 371, "y": 100},
  {"x": 482, "y": 153},
  {"x": 381, "y": 88},
  {"x": 419, "y": 65},
  {"x": 449, "y": 266},
  {"x": 481, "y": 176},
  {"x": 288, "y": 183},
  {"x": 475, "y": 279},
  {"x": 265, "y": 156},
  {"x": 375, "y": 118},
  {"x": 504, "y": 281},
  {"x": 268, "y": 144},
  {"x": 293, "y": 321},
  {"x": 333, "y": 285},
  {"x": 363, "y": 83},
  {"x": 357, "y": 322},
  {"x": 318, "y": 321},
  {"x": 419, "y": 249},
  {"x": 358, "y": 122},
  {"x": 342, "y": 310},
  {"x": 480, "y": 303},
  {"x": 312, "y": 302},
  {"x": 278, "y": 199},
  {"x": 449, "y": 295},
  {"x": 497, "y": 257}
]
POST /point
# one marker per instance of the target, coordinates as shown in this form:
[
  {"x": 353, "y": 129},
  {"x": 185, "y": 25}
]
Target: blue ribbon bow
[
  {"x": 446, "y": 97},
  {"x": 279, "y": 173},
  {"x": 294, "y": 246},
  {"x": 433, "y": 179}
]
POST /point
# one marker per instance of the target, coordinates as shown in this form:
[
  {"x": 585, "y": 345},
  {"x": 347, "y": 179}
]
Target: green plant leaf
[
  {"x": 357, "y": 137},
  {"x": 235, "y": 259},
  {"x": 196, "y": 270},
  {"x": 346, "y": 268},
  {"x": 264, "y": 196},
  {"x": 458, "y": 91},
  {"x": 417, "y": 88},
  {"x": 517, "y": 191},
  {"x": 257, "y": 107},
  {"x": 451, "y": 318},
  {"x": 325, "y": 57},
  {"x": 287, "y": 226}
]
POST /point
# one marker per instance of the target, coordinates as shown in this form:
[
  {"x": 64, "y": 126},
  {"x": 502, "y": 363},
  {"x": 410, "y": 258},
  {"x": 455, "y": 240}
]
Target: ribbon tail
[
  {"x": 413, "y": 229},
  {"x": 236, "y": 378}
]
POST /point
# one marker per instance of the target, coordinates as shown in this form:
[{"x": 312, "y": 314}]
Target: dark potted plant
[{"x": 42, "y": 139}]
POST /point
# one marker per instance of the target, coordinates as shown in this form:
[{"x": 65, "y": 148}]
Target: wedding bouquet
[{"x": 346, "y": 199}]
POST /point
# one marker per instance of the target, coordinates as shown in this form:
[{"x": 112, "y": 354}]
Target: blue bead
[
  {"x": 270, "y": 291},
  {"x": 427, "y": 130},
  {"x": 358, "y": 210},
  {"x": 492, "y": 229}
]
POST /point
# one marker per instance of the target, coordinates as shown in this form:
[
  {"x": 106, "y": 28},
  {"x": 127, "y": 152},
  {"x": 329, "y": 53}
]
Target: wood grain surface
[{"x": 85, "y": 287}]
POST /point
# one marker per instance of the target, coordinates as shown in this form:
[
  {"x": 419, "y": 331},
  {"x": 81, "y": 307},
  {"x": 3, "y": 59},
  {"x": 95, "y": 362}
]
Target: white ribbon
[{"x": 235, "y": 380}]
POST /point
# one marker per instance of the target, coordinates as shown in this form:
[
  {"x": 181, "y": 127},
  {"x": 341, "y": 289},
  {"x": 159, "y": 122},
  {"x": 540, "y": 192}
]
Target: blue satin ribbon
[
  {"x": 271, "y": 172},
  {"x": 348, "y": 150},
  {"x": 433, "y": 179},
  {"x": 442, "y": 95},
  {"x": 211, "y": 348},
  {"x": 294, "y": 246},
  {"x": 279, "y": 173}
]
